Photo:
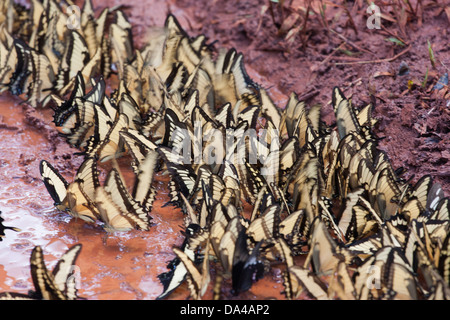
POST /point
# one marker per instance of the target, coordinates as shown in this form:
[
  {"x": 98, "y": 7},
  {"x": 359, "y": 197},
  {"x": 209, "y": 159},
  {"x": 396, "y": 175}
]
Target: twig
[
  {"x": 345, "y": 58},
  {"x": 378, "y": 60},
  {"x": 332, "y": 53},
  {"x": 394, "y": 35},
  {"x": 272, "y": 14},
  {"x": 411, "y": 8},
  {"x": 351, "y": 43},
  {"x": 308, "y": 95}
]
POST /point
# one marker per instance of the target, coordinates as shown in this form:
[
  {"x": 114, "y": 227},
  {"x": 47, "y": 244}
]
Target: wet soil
[{"x": 337, "y": 50}]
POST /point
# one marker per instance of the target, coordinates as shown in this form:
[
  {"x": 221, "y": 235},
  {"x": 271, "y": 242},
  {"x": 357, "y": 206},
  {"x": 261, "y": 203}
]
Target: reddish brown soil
[{"x": 415, "y": 122}]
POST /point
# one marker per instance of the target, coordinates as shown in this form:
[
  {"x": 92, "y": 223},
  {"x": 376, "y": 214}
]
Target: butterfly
[
  {"x": 60, "y": 284},
  {"x": 386, "y": 275},
  {"x": 346, "y": 118},
  {"x": 173, "y": 278},
  {"x": 118, "y": 210},
  {"x": 54, "y": 182},
  {"x": 75, "y": 58},
  {"x": 198, "y": 280},
  {"x": 143, "y": 191},
  {"x": 310, "y": 282},
  {"x": 76, "y": 198}
]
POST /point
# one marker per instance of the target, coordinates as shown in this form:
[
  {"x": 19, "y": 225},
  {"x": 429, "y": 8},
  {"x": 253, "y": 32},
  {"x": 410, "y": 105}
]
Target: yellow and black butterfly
[
  {"x": 269, "y": 110},
  {"x": 293, "y": 229},
  {"x": 224, "y": 116},
  {"x": 111, "y": 146},
  {"x": 266, "y": 226},
  {"x": 292, "y": 116},
  {"x": 291, "y": 285},
  {"x": 8, "y": 58},
  {"x": 341, "y": 285},
  {"x": 289, "y": 153},
  {"x": 387, "y": 194},
  {"x": 252, "y": 181},
  {"x": 386, "y": 275},
  {"x": 138, "y": 146},
  {"x": 143, "y": 191},
  {"x": 60, "y": 284},
  {"x": 97, "y": 93},
  {"x": 118, "y": 210},
  {"x": 356, "y": 221},
  {"x": 198, "y": 280},
  {"x": 174, "y": 34},
  {"x": 346, "y": 118},
  {"x": 121, "y": 41},
  {"x": 310, "y": 282},
  {"x": 100, "y": 127},
  {"x": 175, "y": 134},
  {"x": 80, "y": 199},
  {"x": 76, "y": 198},
  {"x": 128, "y": 106},
  {"x": 66, "y": 108},
  {"x": 42, "y": 77},
  {"x": 129, "y": 205},
  {"x": 246, "y": 89},
  {"x": 244, "y": 263},
  {"x": 84, "y": 128},
  {"x": 19, "y": 79},
  {"x": 173, "y": 278},
  {"x": 325, "y": 252},
  {"x": 444, "y": 260},
  {"x": 76, "y": 56},
  {"x": 442, "y": 211},
  {"x": 183, "y": 176}
]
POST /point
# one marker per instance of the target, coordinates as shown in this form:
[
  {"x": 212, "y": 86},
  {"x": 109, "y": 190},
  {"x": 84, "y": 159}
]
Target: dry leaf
[{"x": 290, "y": 37}]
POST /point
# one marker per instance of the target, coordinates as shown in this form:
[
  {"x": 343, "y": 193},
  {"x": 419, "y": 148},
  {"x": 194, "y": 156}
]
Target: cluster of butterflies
[
  {"x": 324, "y": 193},
  {"x": 102, "y": 129},
  {"x": 42, "y": 48},
  {"x": 366, "y": 232}
]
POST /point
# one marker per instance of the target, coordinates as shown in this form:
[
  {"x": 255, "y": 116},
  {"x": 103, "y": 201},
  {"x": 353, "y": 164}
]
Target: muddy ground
[{"x": 309, "y": 55}]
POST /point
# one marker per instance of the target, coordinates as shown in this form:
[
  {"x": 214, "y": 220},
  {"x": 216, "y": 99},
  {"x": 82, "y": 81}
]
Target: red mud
[{"x": 414, "y": 121}]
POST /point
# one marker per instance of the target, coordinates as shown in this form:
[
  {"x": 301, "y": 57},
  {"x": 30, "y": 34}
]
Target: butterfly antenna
[{"x": 105, "y": 238}]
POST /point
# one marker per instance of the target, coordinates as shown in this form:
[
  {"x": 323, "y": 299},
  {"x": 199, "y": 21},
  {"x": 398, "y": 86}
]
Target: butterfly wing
[{"x": 55, "y": 183}]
